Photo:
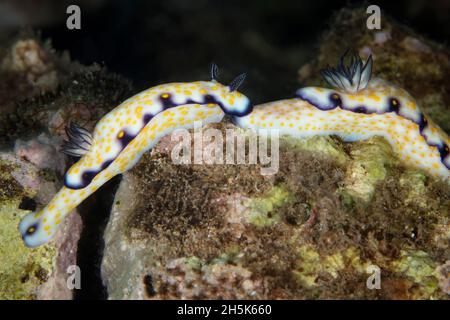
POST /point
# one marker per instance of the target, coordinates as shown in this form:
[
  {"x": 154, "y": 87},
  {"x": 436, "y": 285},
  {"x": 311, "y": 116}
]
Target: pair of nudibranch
[{"x": 358, "y": 108}]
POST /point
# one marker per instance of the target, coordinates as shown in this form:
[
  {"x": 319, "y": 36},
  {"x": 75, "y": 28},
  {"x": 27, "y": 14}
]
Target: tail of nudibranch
[
  {"x": 34, "y": 232},
  {"x": 40, "y": 227}
]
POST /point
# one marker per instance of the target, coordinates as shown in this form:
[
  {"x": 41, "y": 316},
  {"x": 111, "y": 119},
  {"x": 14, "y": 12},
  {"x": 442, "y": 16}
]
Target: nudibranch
[
  {"x": 357, "y": 109},
  {"x": 122, "y": 136}
]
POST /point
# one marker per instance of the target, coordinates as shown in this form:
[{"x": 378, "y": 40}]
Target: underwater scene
[{"x": 224, "y": 150}]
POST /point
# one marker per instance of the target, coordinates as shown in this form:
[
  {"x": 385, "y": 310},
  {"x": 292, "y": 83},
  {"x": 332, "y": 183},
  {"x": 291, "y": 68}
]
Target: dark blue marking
[
  {"x": 361, "y": 109},
  {"x": 323, "y": 108},
  {"x": 31, "y": 230},
  {"x": 106, "y": 164},
  {"x": 88, "y": 176},
  {"x": 247, "y": 110},
  {"x": 167, "y": 102},
  {"x": 335, "y": 100},
  {"x": 86, "y": 179},
  {"x": 444, "y": 152},
  {"x": 207, "y": 98},
  {"x": 147, "y": 118},
  {"x": 126, "y": 139},
  {"x": 423, "y": 122},
  {"x": 394, "y": 105}
]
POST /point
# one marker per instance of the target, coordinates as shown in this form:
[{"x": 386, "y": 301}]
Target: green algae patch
[
  {"x": 232, "y": 254},
  {"x": 420, "y": 268},
  {"x": 194, "y": 263},
  {"x": 311, "y": 264},
  {"x": 323, "y": 145},
  {"x": 263, "y": 210},
  {"x": 415, "y": 183},
  {"x": 369, "y": 165},
  {"x": 21, "y": 269}
]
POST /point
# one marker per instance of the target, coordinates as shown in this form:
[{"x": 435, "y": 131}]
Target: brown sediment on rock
[
  {"x": 188, "y": 196},
  {"x": 8, "y": 187}
]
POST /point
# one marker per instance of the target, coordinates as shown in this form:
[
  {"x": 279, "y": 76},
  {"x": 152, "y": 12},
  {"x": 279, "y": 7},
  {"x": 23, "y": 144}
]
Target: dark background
[{"x": 153, "y": 42}]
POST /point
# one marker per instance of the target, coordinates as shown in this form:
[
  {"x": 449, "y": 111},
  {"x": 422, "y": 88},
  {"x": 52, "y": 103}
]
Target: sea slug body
[
  {"x": 360, "y": 109},
  {"x": 123, "y": 135}
]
